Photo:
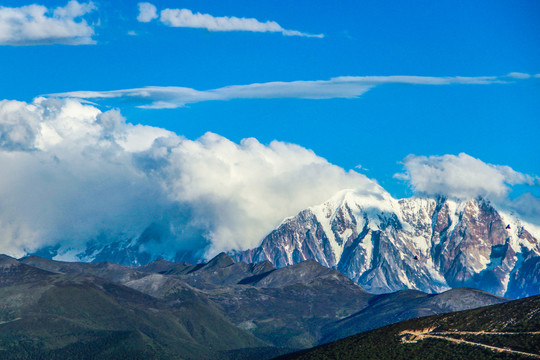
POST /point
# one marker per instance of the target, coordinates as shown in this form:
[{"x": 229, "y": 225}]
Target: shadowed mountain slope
[
  {"x": 407, "y": 304},
  {"x": 298, "y": 306},
  {"x": 52, "y": 315}
]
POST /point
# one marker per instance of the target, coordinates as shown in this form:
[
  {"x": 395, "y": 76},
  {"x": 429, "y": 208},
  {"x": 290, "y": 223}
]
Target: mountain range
[
  {"x": 54, "y": 309},
  {"x": 427, "y": 244},
  {"x": 430, "y": 244}
]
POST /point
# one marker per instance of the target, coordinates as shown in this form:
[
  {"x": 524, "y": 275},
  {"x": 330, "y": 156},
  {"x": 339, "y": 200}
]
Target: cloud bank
[
  {"x": 38, "y": 25},
  {"x": 347, "y": 87},
  {"x": 77, "y": 175},
  {"x": 464, "y": 177},
  {"x": 80, "y": 177},
  {"x": 187, "y": 19},
  {"x": 461, "y": 176}
]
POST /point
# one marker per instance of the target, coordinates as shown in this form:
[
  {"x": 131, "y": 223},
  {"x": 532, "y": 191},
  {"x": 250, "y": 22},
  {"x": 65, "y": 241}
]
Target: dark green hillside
[
  {"x": 56, "y": 316},
  {"x": 299, "y": 306},
  {"x": 513, "y": 319}
]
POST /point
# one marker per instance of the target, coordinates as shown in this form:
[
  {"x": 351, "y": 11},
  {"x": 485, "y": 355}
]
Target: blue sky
[
  {"x": 497, "y": 123},
  {"x": 119, "y": 115}
]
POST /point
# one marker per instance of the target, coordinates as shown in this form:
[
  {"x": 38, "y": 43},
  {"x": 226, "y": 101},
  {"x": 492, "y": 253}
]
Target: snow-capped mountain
[
  {"x": 429, "y": 244},
  {"x": 382, "y": 243}
]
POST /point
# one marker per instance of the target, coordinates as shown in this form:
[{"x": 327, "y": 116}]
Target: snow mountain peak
[{"x": 426, "y": 243}]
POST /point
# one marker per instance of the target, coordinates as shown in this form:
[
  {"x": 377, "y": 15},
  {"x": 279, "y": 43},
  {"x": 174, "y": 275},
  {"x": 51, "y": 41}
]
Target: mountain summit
[{"x": 429, "y": 244}]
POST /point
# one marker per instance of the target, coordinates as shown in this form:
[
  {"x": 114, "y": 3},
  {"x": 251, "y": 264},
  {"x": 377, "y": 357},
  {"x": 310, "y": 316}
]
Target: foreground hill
[
  {"x": 504, "y": 331},
  {"x": 46, "y": 315}
]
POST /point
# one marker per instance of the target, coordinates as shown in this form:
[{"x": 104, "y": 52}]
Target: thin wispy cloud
[
  {"x": 518, "y": 75},
  {"x": 39, "y": 25},
  {"x": 347, "y": 87},
  {"x": 188, "y": 19}
]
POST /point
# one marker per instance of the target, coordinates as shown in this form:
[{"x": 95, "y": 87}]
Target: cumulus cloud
[
  {"x": 158, "y": 97},
  {"x": 187, "y": 19},
  {"x": 461, "y": 176},
  {"x": 17, "y": 127},
  {"x": 79, "y": 176},
  {"x": 38, "y": 25},
  {"x": 147, "y": 12}
]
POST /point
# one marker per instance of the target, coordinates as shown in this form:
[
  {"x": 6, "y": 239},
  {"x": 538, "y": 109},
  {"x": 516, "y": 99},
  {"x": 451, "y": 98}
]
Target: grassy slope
[
  {"x": 49, "y": 316},
  {"x": 384, "y": 343},
  {"x": 294, "y": 307}
]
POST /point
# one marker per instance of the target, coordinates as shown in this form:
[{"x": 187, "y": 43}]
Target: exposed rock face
[{"x": 427, "y": 244}]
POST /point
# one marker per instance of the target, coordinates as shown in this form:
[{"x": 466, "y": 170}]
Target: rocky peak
[
  {"x": 222, "y": 260},
  {"x": 160, "y": 266}
]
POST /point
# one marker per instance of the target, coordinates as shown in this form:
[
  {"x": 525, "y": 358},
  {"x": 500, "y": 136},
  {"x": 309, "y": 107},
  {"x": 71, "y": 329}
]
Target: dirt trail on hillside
[{"x": 413, "y": 336}]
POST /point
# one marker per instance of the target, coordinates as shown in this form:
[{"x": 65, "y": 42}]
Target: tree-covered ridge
[{"x": 521, "y": 317}]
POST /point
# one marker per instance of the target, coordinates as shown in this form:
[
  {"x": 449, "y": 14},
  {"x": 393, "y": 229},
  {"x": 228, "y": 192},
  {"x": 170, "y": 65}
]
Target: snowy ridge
[
  {"x": 349, "y": 204},
  {"x": 385, "y": 244}
]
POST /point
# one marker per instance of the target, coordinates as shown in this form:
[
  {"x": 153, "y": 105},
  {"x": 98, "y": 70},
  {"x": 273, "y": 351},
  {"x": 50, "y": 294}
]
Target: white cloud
[
  {"x": 147, "y": 12},
  {"x": 419, "y": 80},
  {"x": 518, "y": 75},
  {"x": 73, "y": 9},
  {"x": 67, "y": 179},
  {"x": 340, "y": 87},
  {"x": 18, "y": 126},
  {"x": 461, "y": 177},
  {"x": 248, "y": 188},
  {"x": 77, "y": 174},
  {"x": 37, "y": 25},
  {"x": 187, "y": 19}
]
